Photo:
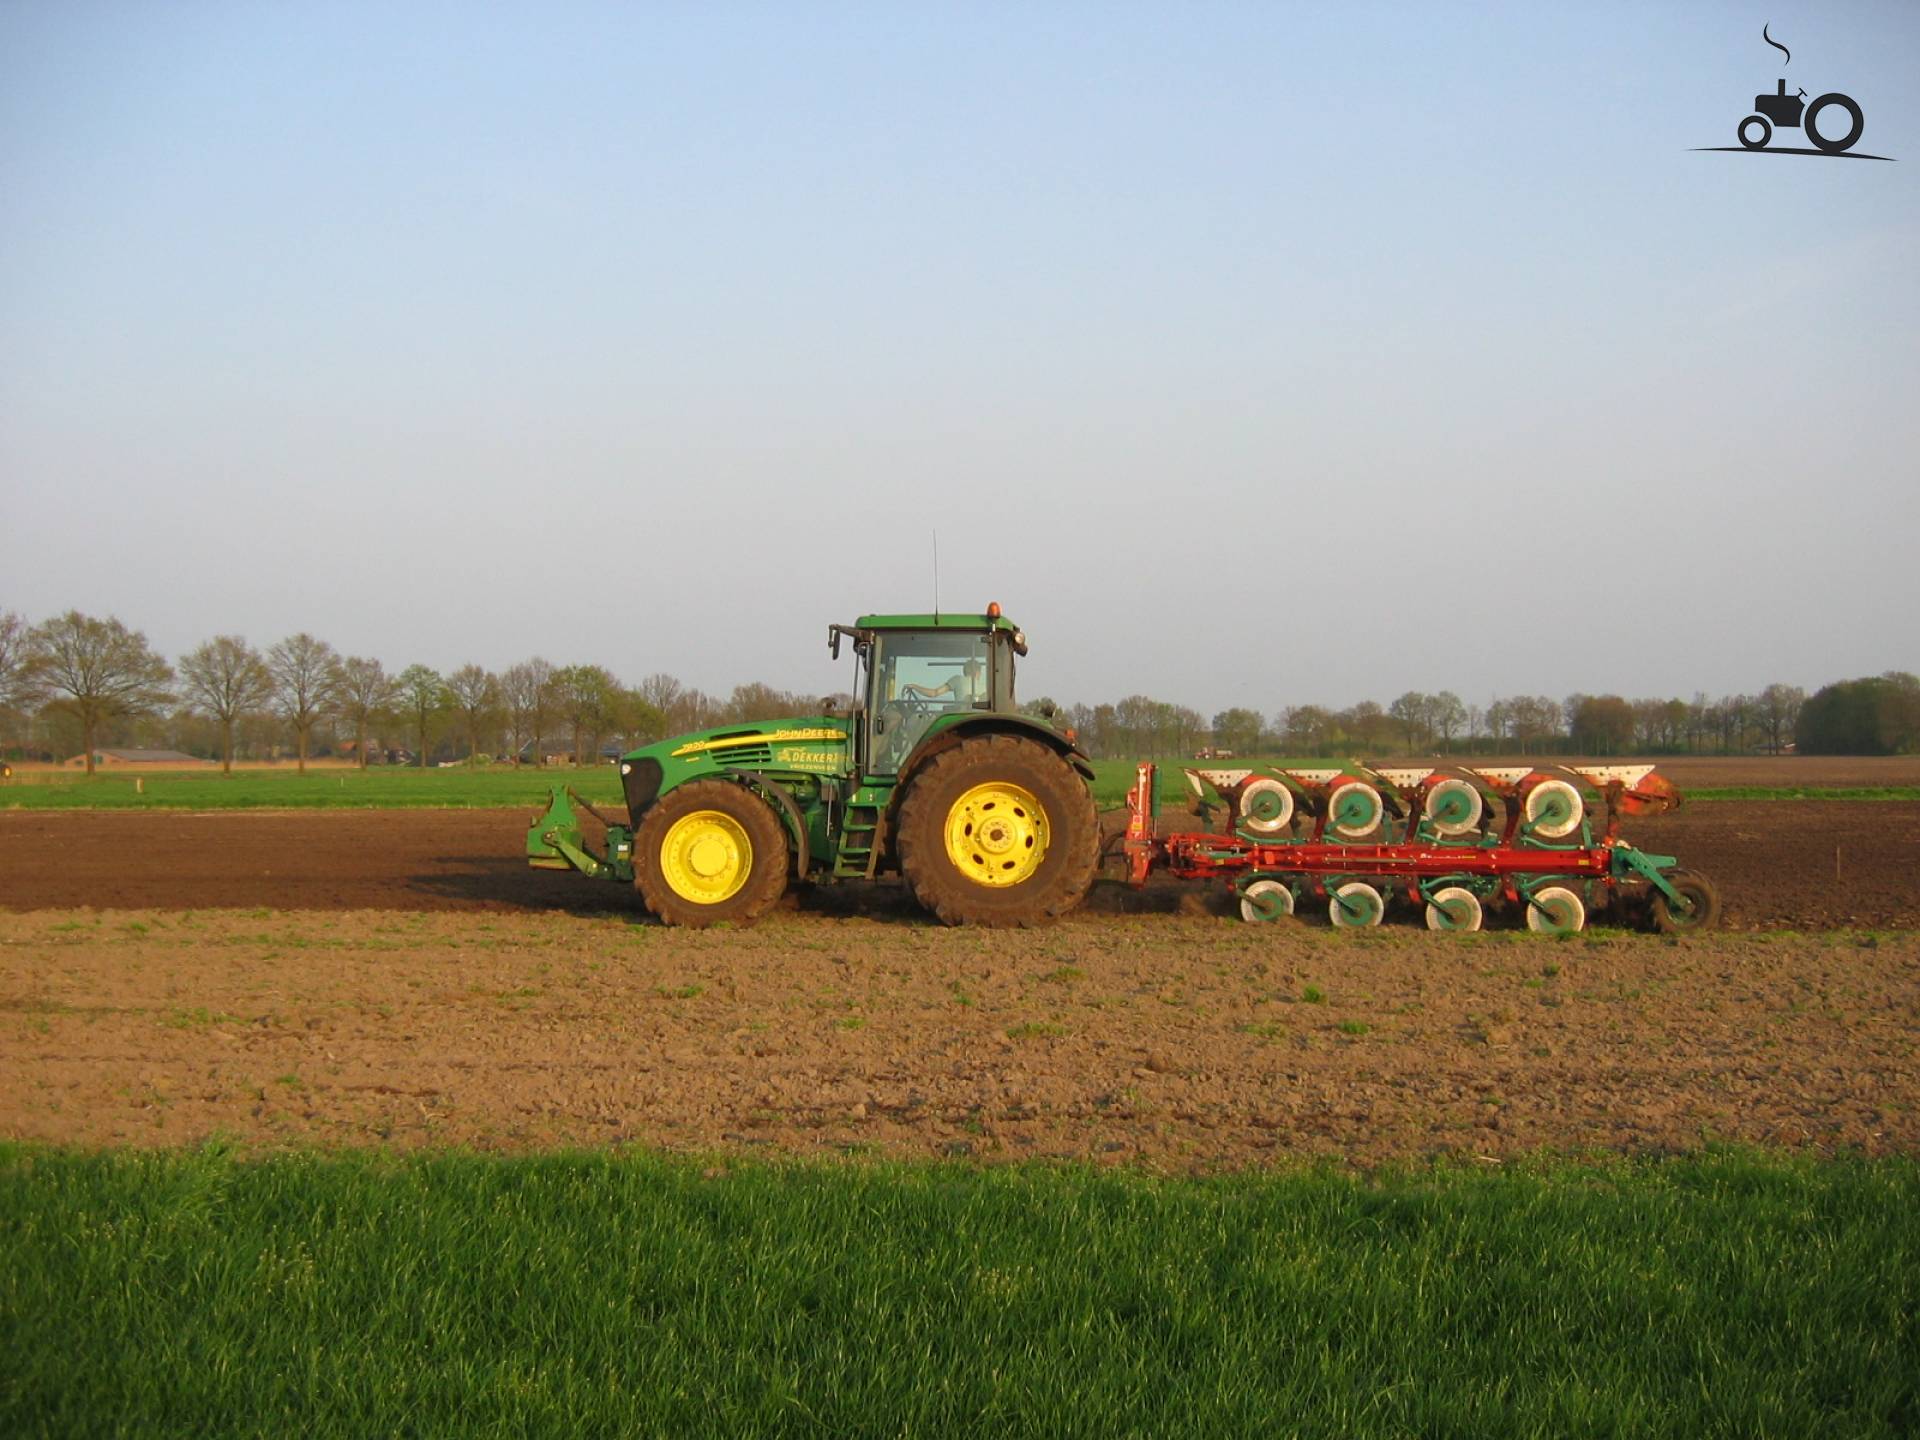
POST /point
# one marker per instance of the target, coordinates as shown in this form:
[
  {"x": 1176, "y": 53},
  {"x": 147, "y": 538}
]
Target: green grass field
[
  {"x": 383, "y": 788},
  {"x": 198, "y": 1293}
]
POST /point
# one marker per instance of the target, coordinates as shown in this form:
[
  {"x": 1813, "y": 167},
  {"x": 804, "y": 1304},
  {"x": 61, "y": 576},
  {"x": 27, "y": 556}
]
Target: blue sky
[{"x": 1248, "y": 354}]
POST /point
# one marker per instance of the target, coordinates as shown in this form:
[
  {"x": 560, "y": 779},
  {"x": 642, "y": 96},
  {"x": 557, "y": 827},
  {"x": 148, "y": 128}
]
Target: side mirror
[{"x": 833, "y": 641}]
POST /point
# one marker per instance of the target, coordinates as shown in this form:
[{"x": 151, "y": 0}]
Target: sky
[{"x": 1246, "y": 354}]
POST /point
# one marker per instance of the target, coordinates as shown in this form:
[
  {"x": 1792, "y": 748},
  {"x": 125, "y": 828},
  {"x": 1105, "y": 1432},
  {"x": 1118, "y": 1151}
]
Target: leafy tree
[
  {"x": 475, "y": 691},
  {"x": 365, "y": 693},
  {"x": 424, "y": 698},
  {"x": 1368, "y": 726},
  {"x": 635, "y": 719},
  {"x": 1601, "y": 724},
  {"x": 585, "y": 694},
  {"x": 306, "y": 675},
  {"x": 101, "y": 669},
  {"x": 1237, "y": 729},
  {"x": 527, "y": 690},
  {"x": 1307, "y": 730},
  {"x": 1133, "y": 723},
  {"x": 1779, "y": 707},
  {"x": 225, "y": 678},
  {"x": 1874, "y": 716}
]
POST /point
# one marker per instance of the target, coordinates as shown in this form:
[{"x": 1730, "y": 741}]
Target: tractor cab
[{"x": 914, "y": 670}]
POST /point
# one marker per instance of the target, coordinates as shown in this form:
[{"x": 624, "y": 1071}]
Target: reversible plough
[{"x": 1452, "y": 842}]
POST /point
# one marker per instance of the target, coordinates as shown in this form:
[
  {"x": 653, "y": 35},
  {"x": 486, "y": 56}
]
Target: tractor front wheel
[
  {"x": 710, "y": 851},
  {"x": 999, "y": 830}
]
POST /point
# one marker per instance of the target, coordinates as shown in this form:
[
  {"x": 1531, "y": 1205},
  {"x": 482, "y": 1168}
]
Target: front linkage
[{"x": 555, "y": 840}]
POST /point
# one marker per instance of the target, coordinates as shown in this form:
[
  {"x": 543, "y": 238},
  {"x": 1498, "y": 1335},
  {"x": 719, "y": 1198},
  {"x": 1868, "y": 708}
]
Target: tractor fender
[
  {"x": 951, "y": 735},
  {"x": 785, "y": 805}
]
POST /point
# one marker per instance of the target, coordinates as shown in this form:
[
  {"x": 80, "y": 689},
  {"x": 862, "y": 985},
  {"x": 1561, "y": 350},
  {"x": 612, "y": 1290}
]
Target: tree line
[
  {"x": 81, "y": 678},
  {"x": 1873, "y": 716}
]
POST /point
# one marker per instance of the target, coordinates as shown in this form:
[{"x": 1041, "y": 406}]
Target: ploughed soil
[
  {"x": 1174, "y": 1041},
  {"x": 1801, "y": 864},
  {"x": 1708, "y": 772}
]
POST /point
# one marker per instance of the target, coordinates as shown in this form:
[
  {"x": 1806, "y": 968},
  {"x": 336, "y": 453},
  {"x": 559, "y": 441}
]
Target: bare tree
[
  {"x": 17, "y": 681},
  {"x": 1448, "y": 714},
  {"x": 660, "y": 690},
  {"x": 425, "y": 696},
  {"x": 527, "y": 689},
  {"x": 103, "y": 670},
  {"x": 226, "y": 678},
  {"x": 365, "y": 691},
  {"x": 476, "y": 695},
  {"x": 306, "y": 673}
]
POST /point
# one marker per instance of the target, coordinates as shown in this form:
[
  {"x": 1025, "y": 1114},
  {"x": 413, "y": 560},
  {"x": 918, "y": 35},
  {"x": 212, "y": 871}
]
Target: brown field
[
  {"x": 1177, "y": 1041},
  {"x": 1709, "y": 772},
  {"x": 1796, "y": 864},
  {"x": 399, "y": 977}
]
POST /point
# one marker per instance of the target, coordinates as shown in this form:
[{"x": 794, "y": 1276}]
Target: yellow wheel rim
[
  {"x": 706, "y": 857},
  {"x": 997, "y": 834}
]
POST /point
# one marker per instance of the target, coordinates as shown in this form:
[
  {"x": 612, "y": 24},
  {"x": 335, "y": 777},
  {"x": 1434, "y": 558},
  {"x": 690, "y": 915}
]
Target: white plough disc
[
  {"x": 1356, "y": 905},
  {"x": 1265, "y": 900},
  {"x": 1455, "y": 908},
  {"x": 1353, "y": 809},
  {"x": 1556, "y": 910},
  {"x": 1453, "y": 807},
  {"x": 1266, "y": 806},
  {"x": 1555, "y": 809}
]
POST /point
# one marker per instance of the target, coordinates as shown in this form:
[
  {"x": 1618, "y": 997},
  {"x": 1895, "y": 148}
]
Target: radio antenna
[{"x": 936, "y": 573}]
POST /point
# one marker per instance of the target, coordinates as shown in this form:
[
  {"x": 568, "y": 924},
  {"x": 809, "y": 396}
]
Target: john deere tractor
[{"x": 933, "y": 773}]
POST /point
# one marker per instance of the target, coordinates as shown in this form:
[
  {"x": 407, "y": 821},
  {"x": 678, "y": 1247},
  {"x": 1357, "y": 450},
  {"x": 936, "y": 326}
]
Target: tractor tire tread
[
  {"x": 1061, "y": 883},
  {"x": 766, "y": 883}
]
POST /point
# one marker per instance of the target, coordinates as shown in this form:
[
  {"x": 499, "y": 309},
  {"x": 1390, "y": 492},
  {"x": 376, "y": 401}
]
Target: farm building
[{"x": 170, "y": 759}]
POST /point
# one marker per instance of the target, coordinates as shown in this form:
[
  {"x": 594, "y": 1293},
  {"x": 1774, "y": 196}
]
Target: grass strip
[
  {"x": 500, "y": 787},
  {"x": 353, "y": 1294},
  {"x": 372, "y": 789}
]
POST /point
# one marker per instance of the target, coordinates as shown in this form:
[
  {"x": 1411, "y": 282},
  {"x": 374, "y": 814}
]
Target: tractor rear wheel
[
  {"x": 999, "y": 830},
  {"x": 710, "y": 851}
]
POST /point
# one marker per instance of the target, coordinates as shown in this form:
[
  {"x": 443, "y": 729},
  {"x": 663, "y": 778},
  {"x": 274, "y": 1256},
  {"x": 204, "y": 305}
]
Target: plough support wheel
[{"x": 1454, "y": 908}]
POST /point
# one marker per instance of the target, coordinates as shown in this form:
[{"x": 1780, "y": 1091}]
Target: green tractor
[{"x": 933, "y": 773}]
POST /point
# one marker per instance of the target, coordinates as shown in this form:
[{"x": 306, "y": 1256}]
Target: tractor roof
[{"x": 935, "y": 622}]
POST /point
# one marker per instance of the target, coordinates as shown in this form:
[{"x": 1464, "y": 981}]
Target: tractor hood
[{"x": 801, "y": 745}]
